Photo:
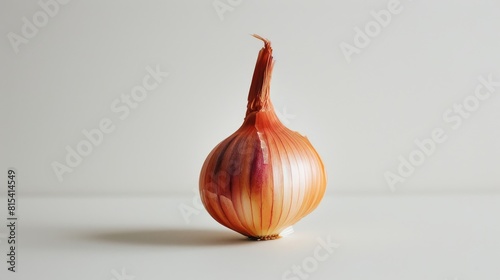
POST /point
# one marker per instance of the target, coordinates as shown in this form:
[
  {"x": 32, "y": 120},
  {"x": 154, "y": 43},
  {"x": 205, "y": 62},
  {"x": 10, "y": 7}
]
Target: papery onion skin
[{"x": 264, "y": 177}]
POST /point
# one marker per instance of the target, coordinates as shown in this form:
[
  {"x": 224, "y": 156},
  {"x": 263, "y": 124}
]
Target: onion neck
[{"x": 258, "y": 97}]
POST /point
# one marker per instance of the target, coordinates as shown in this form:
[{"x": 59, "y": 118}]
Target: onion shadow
[{"x": 167, "y": 237}]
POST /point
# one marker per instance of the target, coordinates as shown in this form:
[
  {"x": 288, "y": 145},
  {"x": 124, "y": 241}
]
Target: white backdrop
[{"x": 364, "y": 80}]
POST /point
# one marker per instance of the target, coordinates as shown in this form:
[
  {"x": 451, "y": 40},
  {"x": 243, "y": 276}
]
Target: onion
[{"x": 264, "y": 177}]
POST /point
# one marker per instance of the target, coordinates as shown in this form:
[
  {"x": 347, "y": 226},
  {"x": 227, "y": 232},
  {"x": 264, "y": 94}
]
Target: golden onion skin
[{"x": 264, "y": 177}]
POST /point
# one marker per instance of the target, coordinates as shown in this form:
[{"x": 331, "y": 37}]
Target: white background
[
  {"x": 360, "y": 116},
  {"x": 128, "y": 208}
]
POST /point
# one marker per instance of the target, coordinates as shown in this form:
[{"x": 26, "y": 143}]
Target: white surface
[
  {"x": 360, "y": 116},
  {"x": 394, "y": 237}
]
